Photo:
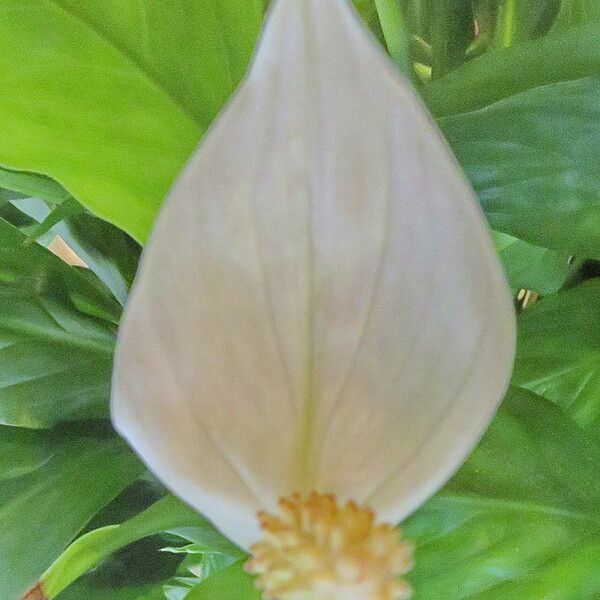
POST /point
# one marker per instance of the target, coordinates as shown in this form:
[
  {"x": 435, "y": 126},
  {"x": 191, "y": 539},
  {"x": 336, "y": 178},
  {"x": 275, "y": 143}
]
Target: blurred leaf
[
  {"x": 69, "y": 208},
  {"x": 42, "y": 511},
  {"x": 368, "y": 12},
  {"x": 533, "y": 160},
  {"x": 509, "y": 22},
  {"x": 56, "y": 337},
  {"x": 87, "y": 552},
  {"x": 231, "y": 584},
  {"x": 30, "y": 184},
  {"x": 138, "y": 572},
  {"x": 108, "y": 251},
  {"x": 521, "y": 519},
  {"x": 451, "y": 31},
  {"x": 556, "y": 57},
  {"x": 23, "y": 451},
  {"x": 89, "y": 590},
  {"x": 577, "y": 12},
  {"x": 532, "y": 267},
  {"x": 558, "y": 353},
  {"x": 395, "y": 32}
]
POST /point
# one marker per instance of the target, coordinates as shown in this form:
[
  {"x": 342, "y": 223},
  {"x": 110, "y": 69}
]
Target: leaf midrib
[
  {"x": 516, "y": 505},
  {"x": 148, "y": 74}
]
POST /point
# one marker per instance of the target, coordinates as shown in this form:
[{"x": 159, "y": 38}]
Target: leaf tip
[{"x": 36, "y": 593}]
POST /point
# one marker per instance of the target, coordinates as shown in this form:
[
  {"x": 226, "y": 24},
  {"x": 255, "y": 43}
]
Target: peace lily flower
[{"x": 319, "y": 316}]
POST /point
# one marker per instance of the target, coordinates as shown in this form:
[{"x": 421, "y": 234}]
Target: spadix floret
[{"x": 320, "y": 307}]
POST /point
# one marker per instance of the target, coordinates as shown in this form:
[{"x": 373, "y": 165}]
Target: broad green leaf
[
  {"x": 195, "y": 50},
  {"x": 556, "y": 57},
  {"x": 231, "y": 584},
  {"x": 111, "y": 133},
  {"x": 57, "y": 331},
  {"x": 43, "y": 510},
  {"x": 577, "y": 12},
  {"x": 31, "y": 184},
  {"x": 532, "y": 267},
  {"x": 533, "y": 160},
  {"x": 108, "y": 251},
  {"x": 558, "y": 352},
  {"x": 521, "y": 519},
  {"x": 23, "y": 451},
  {"x": 91, "y": 549}
]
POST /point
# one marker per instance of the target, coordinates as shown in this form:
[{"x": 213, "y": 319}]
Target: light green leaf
[
  {"x": 195, "y": 50},
  {"x": 521, "y": 519},
  {"x": 558, "y": 352},
  {"x": 94, "y": 547},
  {"x": 231, "y": 584},
  {"x": 57, "y": 330},
  {"x": 533, "y": 160},
  {"x": 42, "y": 511},
  {"x": 556, "y": 57},
  {"x": 532, "y": 267},
  {"x": 395, "y": 32},
  {"x": 111, "y": 133}
]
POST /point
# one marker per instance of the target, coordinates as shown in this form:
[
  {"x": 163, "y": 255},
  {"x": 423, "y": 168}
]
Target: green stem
[
  {"x": 505, "y": 24},
  {"x": 395, "y": 33}
]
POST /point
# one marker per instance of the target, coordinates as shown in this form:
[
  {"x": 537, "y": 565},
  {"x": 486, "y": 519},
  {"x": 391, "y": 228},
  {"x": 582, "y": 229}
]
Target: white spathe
[{"x": 320, "y": 305}]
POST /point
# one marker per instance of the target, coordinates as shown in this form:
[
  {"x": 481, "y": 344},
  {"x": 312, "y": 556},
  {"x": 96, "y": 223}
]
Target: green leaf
[
  {"x": 139, "y": 572},
  {"x": 125, "y": 93},
  {"x": 556, "y": 57},
  {"x": 23, "y": 451},
  {"x": 42, "y": 511},
  {"x": 57, "y": 331},
  {"x": 64, "y": 210},
  {"x": 108, "y": 251},
  {"x": 558, "y": 352},
  {"x": 231, "y": 584},
  {"x": 195, "y": 50},
  {"x": 532, "y": 267},
  {"x": 391, "y": 17},
  {"x": 31, "y": 184},
  {"x": 451, "y": 32},
  {"x": 87, "y": 552},
  {"x": 112, "y": 134},
  {"x": 509, "y": 22},
  {"x": 533, "y": 160},
  {"x": 577, "y": 12},
  {"x": 89, "y": 590},
  {"x": 521, "y": 519}
]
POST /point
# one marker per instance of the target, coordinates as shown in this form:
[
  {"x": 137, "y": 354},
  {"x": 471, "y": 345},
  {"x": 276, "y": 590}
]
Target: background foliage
[{"x": 103, "y": 102}]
